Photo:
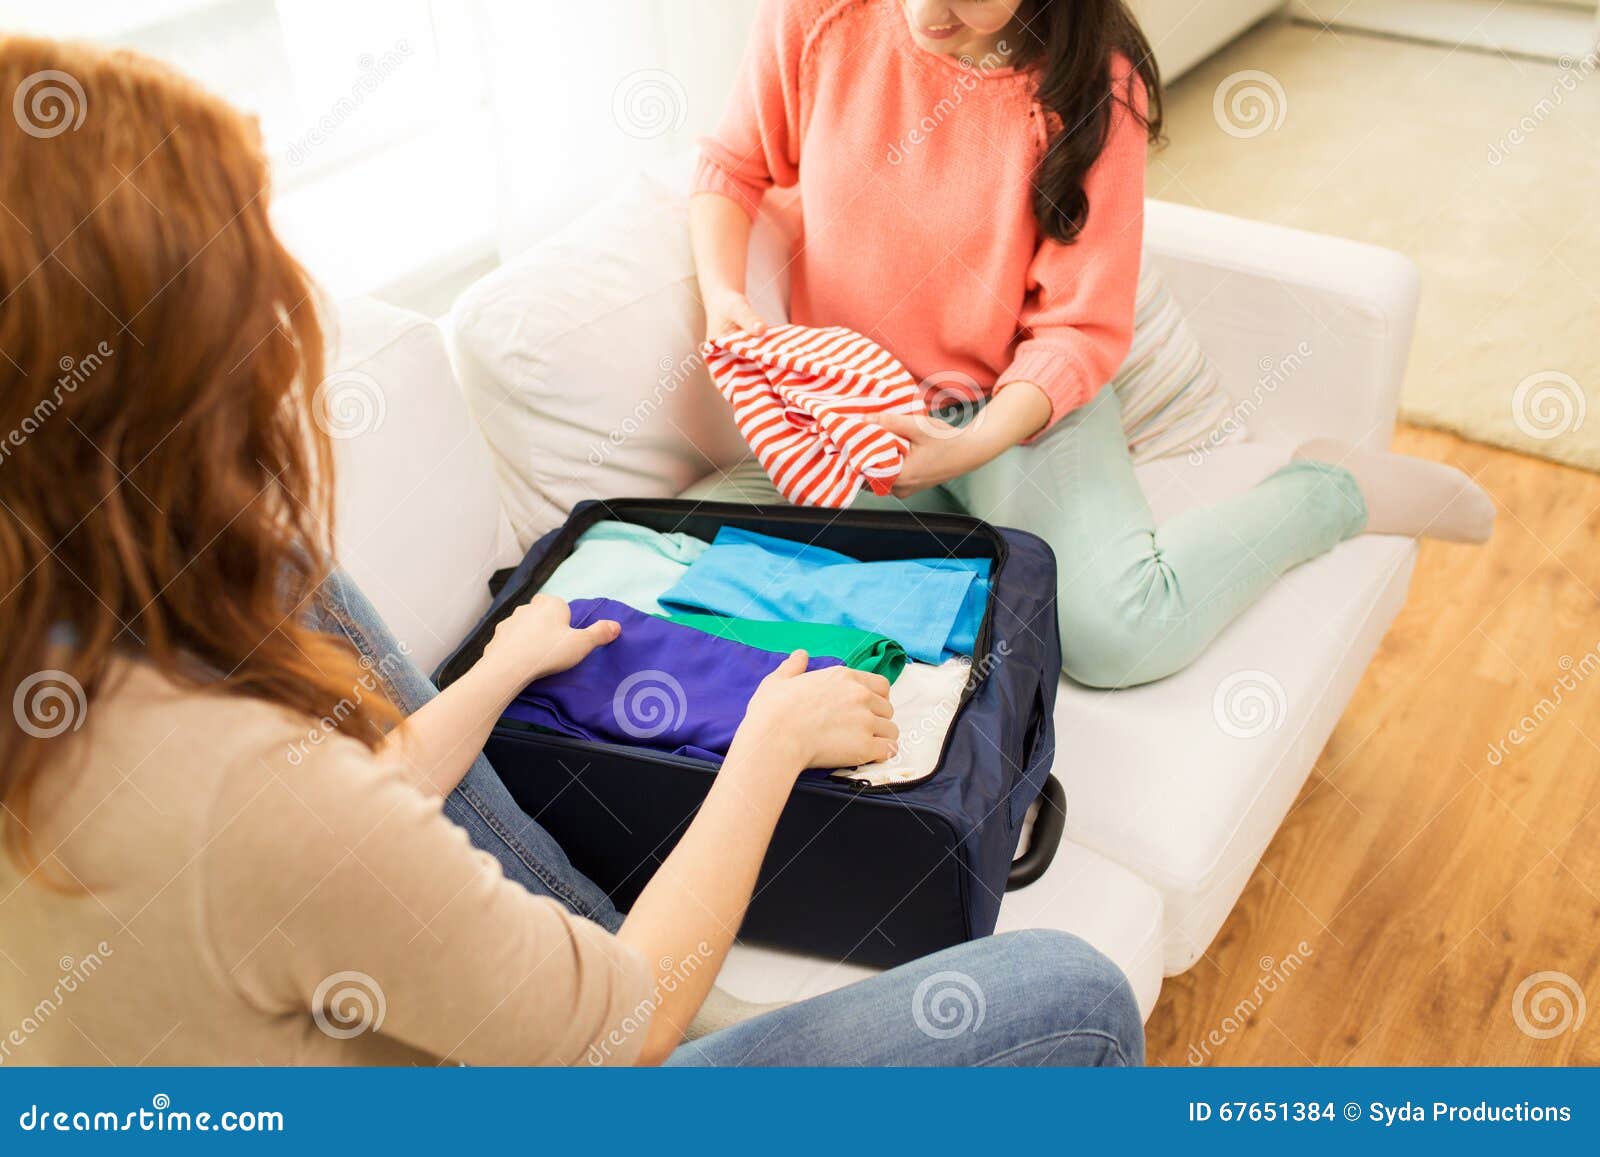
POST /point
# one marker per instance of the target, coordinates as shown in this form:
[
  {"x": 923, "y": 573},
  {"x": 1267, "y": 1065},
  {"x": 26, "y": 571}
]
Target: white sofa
[
  {"x": 547, "y": 383},
  {"x": 1183, "y": 34}
]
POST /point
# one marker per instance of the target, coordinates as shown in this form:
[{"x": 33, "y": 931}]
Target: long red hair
[{"x": 164, "y": 493}]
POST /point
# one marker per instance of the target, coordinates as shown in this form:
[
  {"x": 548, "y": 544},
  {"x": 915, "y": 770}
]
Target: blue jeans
[
  {"x": 1026, "y": 998},
  {"x": 481, "y": 804}
]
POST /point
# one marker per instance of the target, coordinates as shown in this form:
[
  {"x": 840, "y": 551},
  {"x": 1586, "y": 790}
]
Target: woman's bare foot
[{"x": 1413, "y": 496}]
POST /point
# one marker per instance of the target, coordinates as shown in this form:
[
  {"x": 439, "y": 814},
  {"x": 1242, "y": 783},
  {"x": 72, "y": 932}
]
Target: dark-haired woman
[{"x": 971, "y": 186}]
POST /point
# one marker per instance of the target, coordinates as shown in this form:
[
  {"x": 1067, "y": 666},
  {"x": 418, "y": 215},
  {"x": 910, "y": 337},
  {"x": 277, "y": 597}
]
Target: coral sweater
[{"x": 915, "y": 183}]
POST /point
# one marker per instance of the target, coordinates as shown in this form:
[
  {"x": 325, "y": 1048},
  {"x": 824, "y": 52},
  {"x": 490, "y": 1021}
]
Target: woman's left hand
[
  {"x": 538, "y": 639},
  {"x": 938, "y": 450}
]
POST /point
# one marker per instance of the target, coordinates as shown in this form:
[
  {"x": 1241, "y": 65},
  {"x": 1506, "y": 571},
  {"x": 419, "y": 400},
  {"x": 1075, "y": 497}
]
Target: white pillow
[{"x": 580, "y": 356}]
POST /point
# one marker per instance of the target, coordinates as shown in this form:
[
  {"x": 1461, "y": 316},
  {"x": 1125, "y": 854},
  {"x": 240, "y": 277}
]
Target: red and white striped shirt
[{"x": 802, "y": 399}]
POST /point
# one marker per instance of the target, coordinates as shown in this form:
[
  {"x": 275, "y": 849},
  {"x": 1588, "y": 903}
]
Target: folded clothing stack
[{"x": 704, "y": 623}]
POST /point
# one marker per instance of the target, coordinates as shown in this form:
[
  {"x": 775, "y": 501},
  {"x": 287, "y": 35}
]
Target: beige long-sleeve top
[{"x": 246, "y": 894}]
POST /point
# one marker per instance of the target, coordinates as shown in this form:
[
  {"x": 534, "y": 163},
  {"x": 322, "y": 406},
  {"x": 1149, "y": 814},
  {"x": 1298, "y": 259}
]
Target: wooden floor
[{"x": 1425, "y": 874}]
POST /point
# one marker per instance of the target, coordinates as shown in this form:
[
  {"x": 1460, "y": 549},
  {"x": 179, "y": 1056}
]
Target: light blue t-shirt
[
  {"x": 930, "y": 606},
  {"x": 622, "y": 561}
]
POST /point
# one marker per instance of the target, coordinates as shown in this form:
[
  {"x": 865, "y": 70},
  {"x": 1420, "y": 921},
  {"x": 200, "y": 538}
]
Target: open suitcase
[{"x": 879, "y": 875}]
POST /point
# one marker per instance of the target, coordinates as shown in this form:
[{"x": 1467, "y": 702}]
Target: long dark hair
[{"x": 1073, "y": 43}]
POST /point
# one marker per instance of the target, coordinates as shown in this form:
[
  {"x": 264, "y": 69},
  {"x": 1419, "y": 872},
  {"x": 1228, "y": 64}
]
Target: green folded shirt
[{"x": 858, "y": 649}]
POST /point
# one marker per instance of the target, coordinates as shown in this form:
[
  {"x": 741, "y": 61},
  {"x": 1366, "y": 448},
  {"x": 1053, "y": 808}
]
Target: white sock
[
  {"x": 723, "y": 1010},
  {"x": 1413, "y": 496}
]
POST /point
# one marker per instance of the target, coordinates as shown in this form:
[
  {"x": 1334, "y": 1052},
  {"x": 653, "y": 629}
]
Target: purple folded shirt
[{"x": 657, "y": 685}]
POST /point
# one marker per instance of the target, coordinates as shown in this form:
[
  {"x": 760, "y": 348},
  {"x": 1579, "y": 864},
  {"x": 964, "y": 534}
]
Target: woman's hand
[
  {"x": 835, "y": 717},
  {"x": 538, "y": 639},
  {"x": 728, "y": 311},
  {"x": 940, "y": 451}
]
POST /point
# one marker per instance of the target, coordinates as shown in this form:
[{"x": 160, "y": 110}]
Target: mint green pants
[{"x": 1136, "y": 602}]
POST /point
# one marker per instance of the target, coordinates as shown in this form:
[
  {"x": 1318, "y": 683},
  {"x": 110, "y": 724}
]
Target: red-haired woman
[{"x": 247, "y": 887}]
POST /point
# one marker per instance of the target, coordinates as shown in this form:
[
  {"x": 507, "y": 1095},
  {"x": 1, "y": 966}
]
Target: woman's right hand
[
  {"x": 834, "y": 717},
  {"x": 728, "y": 311}
]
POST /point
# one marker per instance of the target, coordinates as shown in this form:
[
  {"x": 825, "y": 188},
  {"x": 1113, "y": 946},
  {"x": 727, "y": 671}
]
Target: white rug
[{"x": 1484, "y": 170}]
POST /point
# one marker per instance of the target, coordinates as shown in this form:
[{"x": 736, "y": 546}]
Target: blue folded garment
[
  {"x": 930, "y": 606},
  {"x": 658, "y": 684}
]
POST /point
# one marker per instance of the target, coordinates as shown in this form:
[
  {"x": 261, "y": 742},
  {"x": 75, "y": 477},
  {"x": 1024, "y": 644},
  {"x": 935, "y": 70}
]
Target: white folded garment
[{"x": 924, "y": 698}]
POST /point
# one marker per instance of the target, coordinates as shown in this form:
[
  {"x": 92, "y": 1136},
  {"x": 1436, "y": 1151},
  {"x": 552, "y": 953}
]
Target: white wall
[
  {"x": 631, "y": 81},
  {"x": 1185, "y": 33}
]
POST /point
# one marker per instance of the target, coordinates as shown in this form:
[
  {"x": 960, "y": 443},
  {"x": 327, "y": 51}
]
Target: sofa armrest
[{"x": 1309, "y": 333}]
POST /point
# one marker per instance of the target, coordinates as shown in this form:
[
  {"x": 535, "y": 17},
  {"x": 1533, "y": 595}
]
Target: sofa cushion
[
  {"x": 1172, "y": 400},
  {"x": 1190, "y": 804},
  {"x": 418, "y": 521},
  {"x": 579, "y": 357},
  {"x": 1082, "y": 892}
]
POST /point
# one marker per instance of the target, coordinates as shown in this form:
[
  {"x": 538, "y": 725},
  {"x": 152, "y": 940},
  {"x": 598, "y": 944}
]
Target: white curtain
[
  {"x": 581, "y": 95},
  {"x": 415, "y": 139}
]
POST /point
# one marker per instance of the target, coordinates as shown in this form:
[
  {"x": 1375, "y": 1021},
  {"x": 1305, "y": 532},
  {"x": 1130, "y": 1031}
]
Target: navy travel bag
[{"x": 879, "y": 875}]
